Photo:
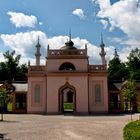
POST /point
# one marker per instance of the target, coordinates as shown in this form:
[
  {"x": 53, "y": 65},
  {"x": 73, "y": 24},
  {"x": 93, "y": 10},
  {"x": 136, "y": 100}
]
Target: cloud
[
  {"x": 79, "y": 13},
  {"x": 124, "y": 15},
  {"x": 93, "y": 51},
  {"x": 1, "y": 57},
  {"x": 104, "y": 23},
  {"x": 40, "y": 23},
  {"x": 24, "y": 43},
  {"x": 22, "y": 20}
]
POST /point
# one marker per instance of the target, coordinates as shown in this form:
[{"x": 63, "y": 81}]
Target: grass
[
  {"x": 68, "y": 106},
  {"x": 132, "y": 131}
]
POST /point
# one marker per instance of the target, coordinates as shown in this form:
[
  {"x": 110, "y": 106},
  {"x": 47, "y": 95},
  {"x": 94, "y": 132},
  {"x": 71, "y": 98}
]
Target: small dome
[{"x": 68, "y": 45}]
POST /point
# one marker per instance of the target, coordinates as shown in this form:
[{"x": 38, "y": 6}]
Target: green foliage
[
  {"x": 129, "y": 90},
  {"x": 3, "y": 71},
  {"x": 12, "y": 62},
  {"x": 132, "y": 131},
  {"x": 21, "y": 73},
  {"x": 116, "y": 69},
  {"x": 129, "y": 70},
  {"x": 9, "y": 106},
  {"x": 133, "y": 64},
  {"x": 5, "y": 96},
  {"x": 10, "y": 69}
]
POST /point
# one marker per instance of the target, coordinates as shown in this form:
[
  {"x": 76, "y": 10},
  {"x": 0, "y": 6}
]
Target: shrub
[{"x": 132, "y": 131}]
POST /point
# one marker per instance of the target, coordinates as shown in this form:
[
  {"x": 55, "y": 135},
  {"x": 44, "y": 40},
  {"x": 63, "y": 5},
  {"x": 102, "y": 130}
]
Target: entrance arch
[{"x": 67, "y": 98}]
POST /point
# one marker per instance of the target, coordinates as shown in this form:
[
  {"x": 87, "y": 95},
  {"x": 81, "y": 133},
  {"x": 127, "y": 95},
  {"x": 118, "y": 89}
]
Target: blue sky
[{"x": 21, "y": 22}]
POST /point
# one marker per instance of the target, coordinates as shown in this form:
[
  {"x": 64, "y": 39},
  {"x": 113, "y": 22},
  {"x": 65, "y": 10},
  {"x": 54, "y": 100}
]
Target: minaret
[
  {"x": 115, "y": 54},
  {"x": 38, "y": 54},
  {"x": 102, "y": 53}
]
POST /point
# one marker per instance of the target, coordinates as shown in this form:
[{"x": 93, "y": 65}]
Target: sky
[{"x": 22, "y": 22}]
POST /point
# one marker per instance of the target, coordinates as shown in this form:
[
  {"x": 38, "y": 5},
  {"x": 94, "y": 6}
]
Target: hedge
[{"x": 132, "y": 131}]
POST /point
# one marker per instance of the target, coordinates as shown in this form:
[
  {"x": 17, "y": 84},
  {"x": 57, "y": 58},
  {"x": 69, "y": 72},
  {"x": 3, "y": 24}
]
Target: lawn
[
  {"x": 68, "y": 106},
  {"x": 132, "y": 131}
]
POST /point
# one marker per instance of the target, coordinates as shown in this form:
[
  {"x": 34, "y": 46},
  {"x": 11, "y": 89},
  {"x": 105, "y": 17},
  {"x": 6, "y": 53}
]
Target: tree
[
  {"x": 11, "y": 70},
  {"x": 12, "y": 63},
  {"x": 5, "y": 96},
  {"x": 116, "y": 69},
  {"x": 133, "y": 64},
  {"x": 129, "y": 93},
  {"x": 21, "y": 73},
  {"x": 3, "y": 71}
]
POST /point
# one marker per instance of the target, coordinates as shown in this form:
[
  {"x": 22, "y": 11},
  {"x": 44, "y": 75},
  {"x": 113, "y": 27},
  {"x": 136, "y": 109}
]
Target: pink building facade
[{"x": 67, "y": 82}]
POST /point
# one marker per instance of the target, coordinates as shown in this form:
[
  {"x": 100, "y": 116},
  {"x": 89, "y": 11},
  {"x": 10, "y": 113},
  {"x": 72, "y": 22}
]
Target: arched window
[
  {"x": 37, "y": 94},
  {"x": 97, "y": 93},
  {"x": 67, "y": 66}
]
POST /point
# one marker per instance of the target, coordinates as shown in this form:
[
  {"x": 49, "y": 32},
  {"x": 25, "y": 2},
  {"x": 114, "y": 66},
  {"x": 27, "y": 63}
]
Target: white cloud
[
  {"x": 1, "y": 57},
  {"x": 24, "y": 44},
  {"x": 125, "y": 16},
  {"x": 79, "y": 13},
  {"x": 93, "y": 51},
  {"x": 57, "y": 42},
  {"x": 104, "y": 4},
  {"x": 22, "y": 20},
  {"x": 40, "y": 23},
  {"x": 104, "y": 23}
]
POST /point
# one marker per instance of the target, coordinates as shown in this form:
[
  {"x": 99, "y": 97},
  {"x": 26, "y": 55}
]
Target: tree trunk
[
  {"x": 1, "y": 117},
  {"x": 1, "y": 112},
  {"x": 131, "y": 109}
]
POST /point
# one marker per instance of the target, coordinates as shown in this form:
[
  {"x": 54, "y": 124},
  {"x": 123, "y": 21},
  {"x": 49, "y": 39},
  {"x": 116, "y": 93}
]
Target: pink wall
[
  {"x": 81, "y": 86},
  {"x": 80, "y": 64},
  {"x": 53, "y": 83},
  {"x": 83, "y": 81},
  {"x": 98, "y": 106},
  {"x": 33, "y": 107}
]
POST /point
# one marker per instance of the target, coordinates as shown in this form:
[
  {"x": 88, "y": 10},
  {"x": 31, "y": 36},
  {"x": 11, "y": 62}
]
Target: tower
[
  {"x": 38, "y": 54},
  {"x": 102, "y": 53},
  {"x": 115, "y": 54}
]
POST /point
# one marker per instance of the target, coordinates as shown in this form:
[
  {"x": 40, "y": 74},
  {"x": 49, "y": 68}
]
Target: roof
[
  {"x": 115, "y": 86},
  {"x": 21, "y": 87}
]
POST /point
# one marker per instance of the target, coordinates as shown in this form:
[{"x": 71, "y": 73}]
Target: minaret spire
[
  {"x": 38, "y": 40},
  {"x": 102, "y": 39},
  {"x": 102, "y": 53},
  {"x": 116, "y": 54},
  {"x": 38, "y": 54},
  {"x": 70, "y": 34},
  {"x": 69, "y": 42}
]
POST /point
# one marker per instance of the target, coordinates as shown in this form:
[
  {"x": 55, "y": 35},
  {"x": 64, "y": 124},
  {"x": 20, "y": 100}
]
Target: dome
[{"x": 68, "y": 46}]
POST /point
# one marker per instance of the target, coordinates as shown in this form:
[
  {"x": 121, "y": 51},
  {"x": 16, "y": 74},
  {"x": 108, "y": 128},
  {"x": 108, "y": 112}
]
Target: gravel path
[{"x": 43, "y": 127}]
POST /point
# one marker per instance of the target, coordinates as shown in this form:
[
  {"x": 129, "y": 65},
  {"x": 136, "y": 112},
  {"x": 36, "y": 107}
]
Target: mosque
[{"x": 67, "y": 82}]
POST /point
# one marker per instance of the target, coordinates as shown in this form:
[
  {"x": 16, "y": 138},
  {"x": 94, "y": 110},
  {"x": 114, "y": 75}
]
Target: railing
[
  {"x": 79, "y": 52},
  {"x": 36, "y": 68},
  {"x": 97, "y": 68},
  {"x": 92, "y": 68}
]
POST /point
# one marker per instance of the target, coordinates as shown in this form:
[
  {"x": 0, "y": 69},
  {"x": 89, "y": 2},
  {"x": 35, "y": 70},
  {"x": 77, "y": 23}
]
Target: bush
[{"x": 132, "y": 131}]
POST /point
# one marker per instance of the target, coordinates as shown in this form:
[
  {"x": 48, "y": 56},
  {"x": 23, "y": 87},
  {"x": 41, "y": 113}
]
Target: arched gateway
[{"x": 67, "y": 98}]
